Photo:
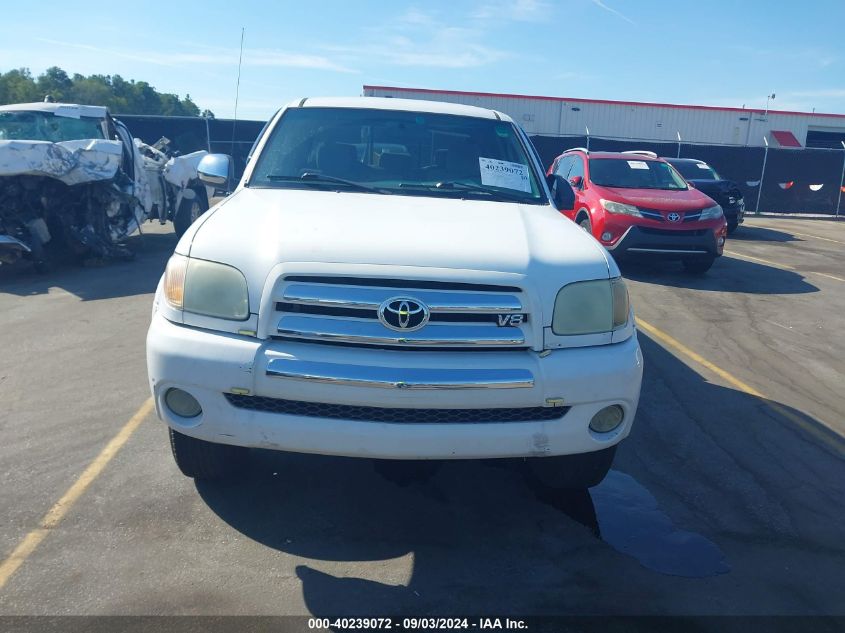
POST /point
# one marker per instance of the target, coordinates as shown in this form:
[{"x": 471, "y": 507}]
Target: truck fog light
[
  {"x": 607, "y": 419},
  {"x": 721, "y": 241},
  {"x": 182, "y": 403},
  {"x": 606, "y": 236}
]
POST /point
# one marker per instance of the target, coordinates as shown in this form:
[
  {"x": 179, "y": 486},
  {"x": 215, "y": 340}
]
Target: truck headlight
[
  {"x": 591, "y": 307},
  {"x": 206, "y": 288},
  {"x": 620, "y": 208},
  {"x": 711, "y": 213}
]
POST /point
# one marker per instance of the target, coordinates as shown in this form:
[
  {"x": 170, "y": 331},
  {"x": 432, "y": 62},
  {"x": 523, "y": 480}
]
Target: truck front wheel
[
  {"x": 573, "y": 471},
  {"x": 190, "y": 209},
  {"x": 206, "y": 460}
]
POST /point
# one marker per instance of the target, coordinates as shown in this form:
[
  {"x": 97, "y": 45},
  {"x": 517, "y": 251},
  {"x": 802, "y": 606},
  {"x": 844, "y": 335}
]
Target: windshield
[
  {"x": 44, "y": 126},
  {"x": 693, "y": 170},
  {"x": 634, "y": 173},
  {"x": 406, "y": 153}
]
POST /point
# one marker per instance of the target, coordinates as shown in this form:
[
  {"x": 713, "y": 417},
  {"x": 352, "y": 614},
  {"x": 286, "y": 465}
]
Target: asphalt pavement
[{"x": 728, "y": 497}]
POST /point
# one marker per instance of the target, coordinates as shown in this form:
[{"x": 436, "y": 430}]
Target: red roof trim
[
  {"x": 604, "y": 101},
  {"x": 785, "y": 138}
]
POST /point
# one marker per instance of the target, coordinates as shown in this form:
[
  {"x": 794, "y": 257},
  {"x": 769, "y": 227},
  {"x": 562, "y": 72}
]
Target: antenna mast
[{"x": 237, "y": 90}]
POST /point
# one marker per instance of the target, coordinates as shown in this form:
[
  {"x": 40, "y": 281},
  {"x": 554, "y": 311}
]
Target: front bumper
[
  {"x": 210, "y": 365},
  {"x": 668, "y": 243},
  {"x": 734, "y": 214}
]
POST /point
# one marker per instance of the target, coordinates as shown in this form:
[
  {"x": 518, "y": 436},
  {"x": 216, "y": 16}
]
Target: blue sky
[{"x": 712, "y": 52}]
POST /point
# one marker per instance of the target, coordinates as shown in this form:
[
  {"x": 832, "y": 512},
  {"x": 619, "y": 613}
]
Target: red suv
[{"x": 636, "y": 204}]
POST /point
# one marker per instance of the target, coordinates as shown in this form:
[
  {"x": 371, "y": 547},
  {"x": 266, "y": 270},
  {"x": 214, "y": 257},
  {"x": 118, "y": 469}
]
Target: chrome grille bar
[
  {"x": 399, "y": 377},
  {"x": 371, "y": 298},
  {"x": 368, "y": 332}
]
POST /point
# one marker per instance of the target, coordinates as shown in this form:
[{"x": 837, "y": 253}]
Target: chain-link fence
[
  {"x": 189, "y": 134},
  {"x": 794, "y": 180}
]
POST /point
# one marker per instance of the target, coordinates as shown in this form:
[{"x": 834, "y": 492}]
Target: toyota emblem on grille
[
  {"x": 403, "y": 314},
  {"x": 674, "y": 217}
]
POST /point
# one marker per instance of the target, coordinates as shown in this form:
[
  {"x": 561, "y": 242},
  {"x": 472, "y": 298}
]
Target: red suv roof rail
[{"x": 641, "y": 152}]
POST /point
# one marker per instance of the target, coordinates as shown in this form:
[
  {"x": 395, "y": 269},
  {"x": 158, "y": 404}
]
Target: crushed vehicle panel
[
  {"x": 72, "y": 162},
  {"x": 73, "y": 180}
]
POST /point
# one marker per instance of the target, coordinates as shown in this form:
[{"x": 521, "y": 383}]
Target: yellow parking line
[
  {"x": 758, "y": 259},
  {"x": 55, "y": 514},
  {"x": 782, "y": 266},
  {"x": 830, "y": 276},
  {"x": 786, "y": 230},
  {"x": 683, "y": 350}
]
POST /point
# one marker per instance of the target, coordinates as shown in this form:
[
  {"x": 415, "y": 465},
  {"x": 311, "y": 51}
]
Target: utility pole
[
  {"x": 679, "y": 143},
  {"x": 772, "y": 97},
  {"x": 762, "y": 176},
  {"x": 588, "y": 137},
  {"x": 841, "y": 180}
]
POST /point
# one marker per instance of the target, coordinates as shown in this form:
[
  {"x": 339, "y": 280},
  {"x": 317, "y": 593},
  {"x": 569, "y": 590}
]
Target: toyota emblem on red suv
[{"x": 673, "y": 217}]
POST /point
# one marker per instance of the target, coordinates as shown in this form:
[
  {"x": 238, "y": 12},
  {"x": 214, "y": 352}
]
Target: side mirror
[
  {"x": 218, "y": 171},
  {"x": 576, "y": 181},
  {"x": 563, "y": 196}
]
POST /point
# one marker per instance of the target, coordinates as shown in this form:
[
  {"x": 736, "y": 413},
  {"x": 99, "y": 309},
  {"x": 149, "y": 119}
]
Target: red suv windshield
[{"x": 634, "y": 173}]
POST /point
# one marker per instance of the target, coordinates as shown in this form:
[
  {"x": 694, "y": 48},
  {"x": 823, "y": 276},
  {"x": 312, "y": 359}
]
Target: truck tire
[
  {"x": 699, "y": 266},
  {"x": 206, "y": 460},
  {"x": 572, "y": 472},
  {"x": 585, "y": 224},
  {"x": 188, "y": 212}
]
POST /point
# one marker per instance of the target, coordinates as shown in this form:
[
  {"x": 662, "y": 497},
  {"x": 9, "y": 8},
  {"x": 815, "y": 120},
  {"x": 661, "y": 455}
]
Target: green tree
[
  {"x": 93, "y": 90},
  {"x": 121, "y": 94},
  {"x": 116, "y": 93},
  {"x": 190, "y": 108},
  {"x": 18, "y": 86},
  {"x": 56, "y": 83},
  {"x": 145, "y": 99}
]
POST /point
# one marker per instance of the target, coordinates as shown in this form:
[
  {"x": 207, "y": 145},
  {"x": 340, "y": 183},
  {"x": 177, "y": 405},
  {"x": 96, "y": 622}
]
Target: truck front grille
[
  {"x": 395, "y": 415},
  {"x": 345, "y": 310}
]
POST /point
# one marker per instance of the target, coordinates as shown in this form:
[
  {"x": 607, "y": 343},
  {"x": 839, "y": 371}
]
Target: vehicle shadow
[
  {"x": 98, "y": 280},
  {"x": 697, "y": 490},
  {"x": 728, "y": 274},
  {"x": 748, "y": 233}
]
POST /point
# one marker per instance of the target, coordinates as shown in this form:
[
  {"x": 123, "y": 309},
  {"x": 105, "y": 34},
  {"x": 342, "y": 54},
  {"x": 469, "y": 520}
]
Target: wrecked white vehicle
[
  {"x": 72, "y": 179},
  {"x": 173, "y": 179}
]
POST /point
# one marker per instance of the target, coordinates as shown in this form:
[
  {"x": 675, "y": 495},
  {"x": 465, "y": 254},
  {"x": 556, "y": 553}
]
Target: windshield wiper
[
  {"x": 310, "y": 176},
  {"x": 462, "y": 186}
]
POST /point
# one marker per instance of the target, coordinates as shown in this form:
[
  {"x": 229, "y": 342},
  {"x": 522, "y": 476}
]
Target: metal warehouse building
[{"x": 563, "y": 116}]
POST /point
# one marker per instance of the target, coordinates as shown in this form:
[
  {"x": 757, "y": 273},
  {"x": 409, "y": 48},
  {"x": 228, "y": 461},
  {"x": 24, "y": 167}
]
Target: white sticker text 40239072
[{"x": 502, "y": 173}]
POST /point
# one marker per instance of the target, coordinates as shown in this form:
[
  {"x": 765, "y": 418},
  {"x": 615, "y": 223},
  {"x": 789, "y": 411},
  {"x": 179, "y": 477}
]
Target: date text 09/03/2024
[{"x": 425, "y": 623}]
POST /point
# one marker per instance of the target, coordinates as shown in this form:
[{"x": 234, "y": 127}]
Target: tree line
[{"x": 113, "y": 91}]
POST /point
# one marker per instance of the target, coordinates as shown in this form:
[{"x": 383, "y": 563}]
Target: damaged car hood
[{"x": 72, "y": 162}]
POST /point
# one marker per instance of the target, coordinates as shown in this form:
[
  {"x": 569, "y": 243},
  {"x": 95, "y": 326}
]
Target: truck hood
[
  {"x": 255, "y": 230},
  {"x": 660, "y": 199},
  {"x": 718, "y": 189},
  {"x": 72, "y": 162}
]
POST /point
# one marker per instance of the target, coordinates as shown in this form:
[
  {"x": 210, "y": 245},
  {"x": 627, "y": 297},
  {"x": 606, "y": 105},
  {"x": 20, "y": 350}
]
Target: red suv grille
[{"x": 654, "y": 214}]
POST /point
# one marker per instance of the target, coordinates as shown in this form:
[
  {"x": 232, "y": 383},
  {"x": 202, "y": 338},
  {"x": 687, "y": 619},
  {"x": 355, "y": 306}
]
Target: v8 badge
[{"x": 513, "y": 320}]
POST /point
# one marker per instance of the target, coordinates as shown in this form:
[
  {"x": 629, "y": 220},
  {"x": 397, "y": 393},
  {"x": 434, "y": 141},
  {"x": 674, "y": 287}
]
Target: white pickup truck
[{"x": 393, "y": 279}]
